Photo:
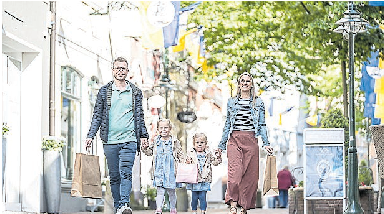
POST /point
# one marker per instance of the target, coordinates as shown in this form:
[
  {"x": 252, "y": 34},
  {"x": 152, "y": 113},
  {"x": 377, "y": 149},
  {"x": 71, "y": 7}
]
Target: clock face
[{"x": 160, "y": 13}]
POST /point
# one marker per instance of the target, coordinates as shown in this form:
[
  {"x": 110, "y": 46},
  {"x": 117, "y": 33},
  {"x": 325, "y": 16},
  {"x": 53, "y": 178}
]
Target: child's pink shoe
[{"x": 173, "y": 211}]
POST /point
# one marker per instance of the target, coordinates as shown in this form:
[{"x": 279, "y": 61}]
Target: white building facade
[
  {"x": 24, "y": 93},
  {"x": 83, "y": 64}
]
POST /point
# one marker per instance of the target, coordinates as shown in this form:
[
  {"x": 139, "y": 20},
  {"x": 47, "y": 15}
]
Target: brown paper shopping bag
[
  {"x": 86, "y": 177},
  {"x": 270, "y": 177}
]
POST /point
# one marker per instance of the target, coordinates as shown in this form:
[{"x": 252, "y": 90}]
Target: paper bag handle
[
  {"x": 89, "y": 150},
  {"x": 270, "y": 153}
]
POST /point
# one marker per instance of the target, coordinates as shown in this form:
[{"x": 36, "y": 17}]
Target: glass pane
[
  {"x": 71, "y": 81},
  {"x": 63, "y": 78},
  {"x": 70, "y": 129},
  {"x": 76, "y": 85},
  {"x": 65, "y": 113},
  {"x": 68, "y": 80}
]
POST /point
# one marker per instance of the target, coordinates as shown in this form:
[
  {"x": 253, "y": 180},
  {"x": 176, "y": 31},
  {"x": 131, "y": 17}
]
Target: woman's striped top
[{"x": 243, "y": 119}]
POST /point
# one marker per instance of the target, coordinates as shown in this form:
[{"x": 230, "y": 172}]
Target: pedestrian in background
[
  {"x": 201, "y": 156},
  {"x": 285, "y": 181},
  {"x": 167, "y": 153},
  {"x": 245, "y": 122},
  {"x": 118, "y": 113}
]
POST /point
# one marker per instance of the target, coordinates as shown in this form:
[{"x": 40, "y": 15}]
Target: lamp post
[{"x": 349, "y": 26}]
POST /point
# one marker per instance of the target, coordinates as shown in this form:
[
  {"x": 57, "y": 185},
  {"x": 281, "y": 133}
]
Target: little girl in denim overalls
[
  {"x": 167, "y": 153},
  {"x": 204, "y": 158}
]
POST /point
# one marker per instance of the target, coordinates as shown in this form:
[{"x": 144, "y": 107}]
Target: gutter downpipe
[{"x": 52, "y": 62}]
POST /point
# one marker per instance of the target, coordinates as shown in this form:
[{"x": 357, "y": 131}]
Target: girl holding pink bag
[
  {"x": 204, "y": 159},
  {"x": 167, "y": 153}
]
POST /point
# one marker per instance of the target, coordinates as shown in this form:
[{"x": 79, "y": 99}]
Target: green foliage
[
  {"x": 281, "y": 42},
  {"x": 52, "y": 143},
  {"x": 327, "y": 82},
  {"x": 334, "y": 118},
  {"x": 365, "y": 174},
  {"x": 301, "y": 184},
  {"x": 5, "y": 129},
  {"x": 151, "y": 193}
]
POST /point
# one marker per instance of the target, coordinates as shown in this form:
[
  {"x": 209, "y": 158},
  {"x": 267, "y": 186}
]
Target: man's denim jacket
[{"x": 258, "y": 117}]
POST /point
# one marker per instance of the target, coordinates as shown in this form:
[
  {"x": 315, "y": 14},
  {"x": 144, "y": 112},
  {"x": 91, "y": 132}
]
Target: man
[
  {"x": 285, "y": 181},
  {"x": 119, "y": 114}
]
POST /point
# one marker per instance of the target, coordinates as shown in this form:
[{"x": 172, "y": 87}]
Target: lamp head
[{"x": 352, "y": 22}]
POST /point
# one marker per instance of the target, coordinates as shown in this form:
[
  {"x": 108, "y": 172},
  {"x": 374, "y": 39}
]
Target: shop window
[{"x": 70, "y": 116}]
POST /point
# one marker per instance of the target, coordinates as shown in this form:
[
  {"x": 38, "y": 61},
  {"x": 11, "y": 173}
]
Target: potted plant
[
  {"x": 5, "y": 129},
  {"x": 150, "y": 194},
  {"x": 52, "y": 143},
  {"x": 52, "y": 147}
]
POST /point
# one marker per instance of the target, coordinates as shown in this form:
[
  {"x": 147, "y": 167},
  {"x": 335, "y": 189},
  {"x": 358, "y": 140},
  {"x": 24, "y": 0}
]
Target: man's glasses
[{"x": 120, "y": 68}]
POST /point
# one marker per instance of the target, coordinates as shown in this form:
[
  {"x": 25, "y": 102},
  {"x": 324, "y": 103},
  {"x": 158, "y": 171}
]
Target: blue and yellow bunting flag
[{"x": 155, "y": 35}]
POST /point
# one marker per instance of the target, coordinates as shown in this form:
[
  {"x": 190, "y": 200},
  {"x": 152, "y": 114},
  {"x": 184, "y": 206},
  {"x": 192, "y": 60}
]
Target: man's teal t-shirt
[{"x": 121, "y": 120}]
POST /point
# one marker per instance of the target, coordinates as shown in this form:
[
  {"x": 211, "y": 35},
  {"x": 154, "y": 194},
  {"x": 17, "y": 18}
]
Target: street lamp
[{"x": 349, "y": 26}]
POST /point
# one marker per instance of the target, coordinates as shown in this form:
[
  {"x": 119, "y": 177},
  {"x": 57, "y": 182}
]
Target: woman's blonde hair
[
  {"x": 253, "y": 93},
  {"x": 199, "y": 135}
]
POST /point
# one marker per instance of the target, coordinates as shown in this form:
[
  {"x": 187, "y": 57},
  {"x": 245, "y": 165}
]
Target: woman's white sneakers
[{"x": 125, "y": 209}]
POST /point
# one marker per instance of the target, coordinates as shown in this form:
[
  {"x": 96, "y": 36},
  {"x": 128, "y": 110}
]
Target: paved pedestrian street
[
  {"x": 225, "y": 211},
  {"x": 215, "y": 211}
]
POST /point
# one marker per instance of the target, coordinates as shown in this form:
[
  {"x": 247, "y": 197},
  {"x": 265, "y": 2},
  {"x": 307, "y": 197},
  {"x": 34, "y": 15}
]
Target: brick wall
[
  {"x": 367, "y": 199},
  {"x": 329, "y": 206}
]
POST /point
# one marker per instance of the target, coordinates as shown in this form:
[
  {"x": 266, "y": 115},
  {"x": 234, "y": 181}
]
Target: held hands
[
  {"x": 144, "y": 143},
  {"x": 218, "y": 153},
  {"x": 188, "y": 160}
]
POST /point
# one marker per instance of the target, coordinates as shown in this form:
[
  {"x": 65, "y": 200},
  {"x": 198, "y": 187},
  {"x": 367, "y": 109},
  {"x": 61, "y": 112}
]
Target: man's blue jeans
[
  {"x": 199, "y": 195},
  {"x": 120, "y": 159},
  {"x": 283, "y": 198}
]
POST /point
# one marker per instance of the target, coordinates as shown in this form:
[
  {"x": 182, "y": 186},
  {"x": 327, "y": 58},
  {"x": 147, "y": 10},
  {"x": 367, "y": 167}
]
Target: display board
[{"x": 324, "y": 164}]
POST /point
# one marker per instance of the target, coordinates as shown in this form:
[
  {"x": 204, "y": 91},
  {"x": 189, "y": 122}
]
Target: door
[{"x": 11, "y": 98}]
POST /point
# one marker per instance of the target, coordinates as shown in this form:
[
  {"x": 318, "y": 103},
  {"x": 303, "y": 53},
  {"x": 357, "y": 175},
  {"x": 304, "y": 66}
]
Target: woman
[{"x": 245, "y": 121}]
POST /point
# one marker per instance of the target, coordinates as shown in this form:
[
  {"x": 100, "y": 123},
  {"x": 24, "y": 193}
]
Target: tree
[
  {"x": 334, "y": 119},
  {"x": 365, "y": 174},
  {"x": 319, "y": 21},
  {"x": 280, "y": 43}
]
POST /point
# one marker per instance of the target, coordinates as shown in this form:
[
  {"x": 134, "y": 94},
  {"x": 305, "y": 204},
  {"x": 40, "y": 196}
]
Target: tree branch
[{"x": 305, "y": 8}]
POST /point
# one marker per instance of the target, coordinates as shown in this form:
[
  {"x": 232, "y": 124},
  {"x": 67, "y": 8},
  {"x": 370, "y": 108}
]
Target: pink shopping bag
[{"x": 186, "y": 173}]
